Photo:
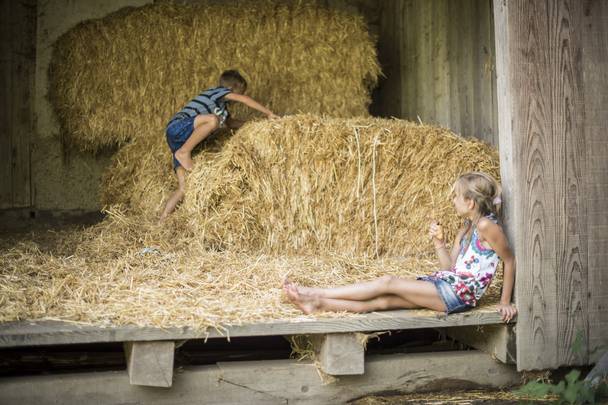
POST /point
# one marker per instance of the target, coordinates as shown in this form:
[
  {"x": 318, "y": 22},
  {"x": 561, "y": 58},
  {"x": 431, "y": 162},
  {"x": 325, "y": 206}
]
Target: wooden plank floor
[{"x": 29, "y": 333}]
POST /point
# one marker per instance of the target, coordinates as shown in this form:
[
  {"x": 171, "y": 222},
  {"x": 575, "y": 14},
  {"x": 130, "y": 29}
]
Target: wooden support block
[
  {"x": 496, "y": 340},
  {"x": 150, "y": 363},
  {"x": 340, "y": 353}
]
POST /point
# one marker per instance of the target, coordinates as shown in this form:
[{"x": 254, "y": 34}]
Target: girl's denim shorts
[{"x": 452, "y": 302}]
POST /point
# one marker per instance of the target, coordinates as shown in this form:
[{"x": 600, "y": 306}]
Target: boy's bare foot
[
  {"x": 307, "y": 304},
  {"x": 184, "y": 159}
]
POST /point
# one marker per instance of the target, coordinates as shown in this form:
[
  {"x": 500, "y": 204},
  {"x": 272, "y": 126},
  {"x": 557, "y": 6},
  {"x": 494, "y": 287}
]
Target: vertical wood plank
[
  {"x": 454, "y": 45},
  {"x": 542, "y": 90},
  {"x": 466, "y": 84},
  {"x": 440, "y": 62},
  {"x": 6, "y": 53},
  {"x": 508, "y": 170},
  {"x": 484, "y": 75},
  {"x": 537, "y": 288},
  {"x": 424, "y": 62},
  {"x": 445, "y": 58},
  {"x": 389, "y": 55},
  {"x": 595, "y": 77},
  {"x": 408, "y": 51},
  {"x": 18, "y": 38},
  {"x": 571, "y": 205},
  {"x": 23, "y": 89}
]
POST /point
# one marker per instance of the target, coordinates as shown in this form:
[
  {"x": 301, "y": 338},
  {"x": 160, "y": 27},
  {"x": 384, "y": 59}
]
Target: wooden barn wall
[
  {"x": 17, "y": 67},
  {"x": 438, "y": 59},
  {"x": 552, "y": 60}
]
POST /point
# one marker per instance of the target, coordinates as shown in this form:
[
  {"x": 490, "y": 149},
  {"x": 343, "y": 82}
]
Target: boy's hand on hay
[
  {"x": 436, "y": 234},
  {"x": 272, "y": 116}
]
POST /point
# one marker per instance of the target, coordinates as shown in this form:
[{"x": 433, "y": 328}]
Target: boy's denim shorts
[
  {"x": 178, "y": 131},
  {"x": 452, "y": 302}
]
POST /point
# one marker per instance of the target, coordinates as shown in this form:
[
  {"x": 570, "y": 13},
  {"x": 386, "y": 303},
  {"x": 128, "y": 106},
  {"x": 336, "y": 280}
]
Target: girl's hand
[
  {"x": 436, "y": 234},
  {"x": 272, "y": 116},
  {"x": 507, "y": 311}
]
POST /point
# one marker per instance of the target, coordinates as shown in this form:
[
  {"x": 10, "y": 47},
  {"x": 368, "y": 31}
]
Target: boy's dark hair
[{"x": 232, "y": 79}]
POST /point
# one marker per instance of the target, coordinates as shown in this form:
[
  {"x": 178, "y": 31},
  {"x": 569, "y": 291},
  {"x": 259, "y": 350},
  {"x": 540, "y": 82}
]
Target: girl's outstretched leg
[
  {"x": 310, "y": 303},
  {"x": 416, "y": 293}
]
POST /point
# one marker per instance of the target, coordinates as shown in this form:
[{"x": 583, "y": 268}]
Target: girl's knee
[
  {"x": 382, "y": 303},
  {"x": 387, "y": 280}
]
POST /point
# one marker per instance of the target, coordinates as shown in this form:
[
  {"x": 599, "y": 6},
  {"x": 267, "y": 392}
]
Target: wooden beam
[
  {"x": 17, "y": 72},
  {"x": 498, "y": 341},
  {"x": 543, "y": 161},
  {"x": 28, "y": 333},
  {"x": 595, "y": 73},
  {"x": 150, "y": 363},
  {"x": 273, "y": 381},
  {"x": 340, "y": 353}
]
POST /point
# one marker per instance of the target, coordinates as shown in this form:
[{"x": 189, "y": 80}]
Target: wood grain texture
[
  {"x": 265, "y": 382},
  {"x": 17, "y": 65},
  {"x": 595, "y": 188},
  {"x": 24, "y": 333},
  {"x": 446, "y": 77},
  {"x": 548, "y": 113}
]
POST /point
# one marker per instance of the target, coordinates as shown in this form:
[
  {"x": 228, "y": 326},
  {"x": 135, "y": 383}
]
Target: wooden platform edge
[
  {"x": 264, "y": 382},
  {"x": 30, "y": 333}
]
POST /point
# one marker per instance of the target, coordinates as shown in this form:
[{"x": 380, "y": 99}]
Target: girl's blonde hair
[{"x": 481, "y": 188}]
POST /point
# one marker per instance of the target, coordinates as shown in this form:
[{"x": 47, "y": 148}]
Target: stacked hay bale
[
  {"x": 121, "y": 78},
  {"x": 310, "y": 185}
]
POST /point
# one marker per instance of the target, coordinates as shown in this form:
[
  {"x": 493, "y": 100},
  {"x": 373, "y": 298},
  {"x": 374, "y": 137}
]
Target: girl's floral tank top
[{"x": 474, "y": 268}]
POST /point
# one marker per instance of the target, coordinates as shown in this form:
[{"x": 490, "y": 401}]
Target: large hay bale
[
  {"x": 310, "y": 197},
  {"x": 123, "y": 76},
  {"x": 310, "y": 185}
]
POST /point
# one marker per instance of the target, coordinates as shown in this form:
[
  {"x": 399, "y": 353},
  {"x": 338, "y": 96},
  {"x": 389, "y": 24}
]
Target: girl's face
[{"x": 464, "y": 206}]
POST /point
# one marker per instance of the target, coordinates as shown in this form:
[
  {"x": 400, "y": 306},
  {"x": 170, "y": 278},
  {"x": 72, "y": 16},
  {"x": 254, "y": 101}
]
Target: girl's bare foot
[
  {"x": 311, "y": 291},
  {"x": 307, "y": 304},
  {"x": 184, "y": 159}
]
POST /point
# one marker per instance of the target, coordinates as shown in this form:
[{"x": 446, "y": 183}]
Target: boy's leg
[
  {"x": 177, "y": 195},
  {"x": 204, "y": 124}
]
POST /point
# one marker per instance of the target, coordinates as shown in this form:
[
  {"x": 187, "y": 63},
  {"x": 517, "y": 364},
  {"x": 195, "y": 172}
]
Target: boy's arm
[{"x": 251, "y": 103}]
